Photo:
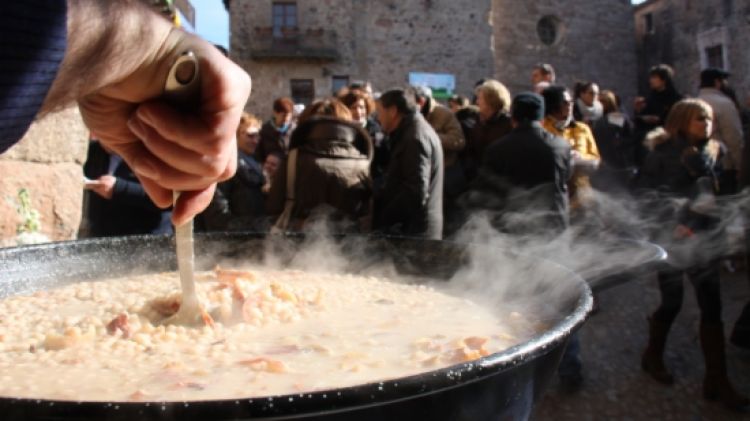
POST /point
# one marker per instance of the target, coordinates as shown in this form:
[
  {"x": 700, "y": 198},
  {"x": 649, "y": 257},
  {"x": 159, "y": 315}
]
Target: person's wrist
[{"x": 107, "y": 42}]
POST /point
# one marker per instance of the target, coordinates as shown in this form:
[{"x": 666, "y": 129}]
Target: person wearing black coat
[
  {"x": 276, "y": 132},
  {"x": 652, "y": 111},
  {"x": 741, "y": 331},
  {"x": 526, "y": 173},
  {"x": 238, "y": 203},
  {"x": 411, "y": 202},
  {"x": 117, "y": 203},
  {"x": 685, "y": 164},
  {"x": 614, "y": 135}
]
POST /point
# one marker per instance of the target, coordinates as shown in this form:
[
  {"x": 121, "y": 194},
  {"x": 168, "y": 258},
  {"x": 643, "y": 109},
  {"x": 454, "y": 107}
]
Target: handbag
[{"x": 282, "y": 223}]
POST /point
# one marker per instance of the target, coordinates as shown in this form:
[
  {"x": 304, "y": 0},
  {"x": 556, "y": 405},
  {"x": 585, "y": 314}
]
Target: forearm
[{"x": 107, "y": 41}]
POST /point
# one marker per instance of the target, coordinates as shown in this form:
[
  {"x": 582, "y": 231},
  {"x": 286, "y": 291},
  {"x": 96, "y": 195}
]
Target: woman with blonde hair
[
  {"x": 684, "y": 163},
  {"x": 493, "y": 100},
  {"x": 327, "y": 170}
]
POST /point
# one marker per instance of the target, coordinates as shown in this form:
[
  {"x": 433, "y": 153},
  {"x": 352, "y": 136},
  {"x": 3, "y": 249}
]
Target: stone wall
[
  {"x": 681, "y": 27},
  {"x": 383, "y": 40},
  {"x": 595, "y": 41},
  {"x": 380, "y": 41},
  {"x": 47, "y": 162}
]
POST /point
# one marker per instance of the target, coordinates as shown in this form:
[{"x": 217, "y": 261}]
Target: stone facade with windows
[
  {"x": 582, "y": 39},
  {"x": 382, "y": 41},
  {"x": 691, "y": 35}
]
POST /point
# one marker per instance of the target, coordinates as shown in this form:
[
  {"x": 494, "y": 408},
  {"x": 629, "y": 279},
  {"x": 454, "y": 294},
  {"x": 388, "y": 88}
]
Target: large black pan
[{"x": 498, "y": 387}]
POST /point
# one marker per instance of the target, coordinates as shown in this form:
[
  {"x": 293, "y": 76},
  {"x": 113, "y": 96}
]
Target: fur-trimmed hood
[{"x": 659, "y": 136}]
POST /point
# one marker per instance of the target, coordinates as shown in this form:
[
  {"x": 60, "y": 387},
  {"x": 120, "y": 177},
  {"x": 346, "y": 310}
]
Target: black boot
[
  {"x": 741, "y": 332},
  {"x": 716, "y": 384},
  {"x": 653, "y": 357}
]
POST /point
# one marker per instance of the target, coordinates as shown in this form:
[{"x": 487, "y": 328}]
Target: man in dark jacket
[
  {"x": 412, "y": 199},
  {"x": 651, "y": 112},
  {"x": 524, "y": 179},
  {"x": 526, "y": 173},
  {"x": 117, "y": 204},
  {"x": 741, "y": 332}
]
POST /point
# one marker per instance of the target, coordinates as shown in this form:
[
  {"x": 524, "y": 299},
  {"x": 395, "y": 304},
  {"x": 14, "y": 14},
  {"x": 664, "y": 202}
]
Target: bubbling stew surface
[{"x": 268, "y": 332}]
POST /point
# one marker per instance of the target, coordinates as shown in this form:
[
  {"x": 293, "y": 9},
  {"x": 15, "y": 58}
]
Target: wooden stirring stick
[{"x": 182, "y": 90}]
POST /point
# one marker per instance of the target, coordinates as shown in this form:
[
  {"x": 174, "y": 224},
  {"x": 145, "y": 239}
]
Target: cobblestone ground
[{"x": 612, "y": 341}]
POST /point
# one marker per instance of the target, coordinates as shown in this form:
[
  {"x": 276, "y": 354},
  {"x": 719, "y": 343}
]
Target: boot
[
  {"x": 652, "y": 361},
  {"x": 741, "y": 332},
  {"x": 716, "y": 384}
]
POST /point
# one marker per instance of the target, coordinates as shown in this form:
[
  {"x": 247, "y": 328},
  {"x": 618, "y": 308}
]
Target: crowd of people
[{"x": 401, "y": 163}]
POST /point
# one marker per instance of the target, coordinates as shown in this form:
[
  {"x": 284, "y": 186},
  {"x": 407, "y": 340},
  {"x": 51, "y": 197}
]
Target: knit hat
[{"x": 527, "y": 106}]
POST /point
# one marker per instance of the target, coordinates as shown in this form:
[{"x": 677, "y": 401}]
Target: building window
[
  {"x": 728, "y": 8},
  {"x": 284, "y": 19},
  {"x": 339, "y": 82},
  {"x": 303, "y": 91},
  {"x": 648, "y": 20},
  {"x": 548, "y": 30},
  {"x": 715, "y": 56},
  {"x": 713, "y": 46}
]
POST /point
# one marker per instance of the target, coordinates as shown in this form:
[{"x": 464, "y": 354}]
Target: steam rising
[{"x": 503, "y": 269}]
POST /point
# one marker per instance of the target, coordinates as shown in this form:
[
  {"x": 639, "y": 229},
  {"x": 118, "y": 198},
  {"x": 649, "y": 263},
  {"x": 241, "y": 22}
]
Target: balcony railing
[{"x": 293, "y": 43}]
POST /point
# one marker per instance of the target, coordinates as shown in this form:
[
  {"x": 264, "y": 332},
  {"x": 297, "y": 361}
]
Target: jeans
[
  {"x": 705, "y": 280},
  {"x": 570, "y": 364}
]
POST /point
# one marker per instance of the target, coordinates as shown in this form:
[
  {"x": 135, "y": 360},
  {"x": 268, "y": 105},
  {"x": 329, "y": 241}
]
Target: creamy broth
[{"x": 273, "y": 332}]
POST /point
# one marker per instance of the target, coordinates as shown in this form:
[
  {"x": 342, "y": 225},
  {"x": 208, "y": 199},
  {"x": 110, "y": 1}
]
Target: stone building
[
  {"x": 308, "y": 48},
  {"x": 47, "y": 164},
  {"x": 691, "y": 35},
  {"x": 583, "y": 40}
]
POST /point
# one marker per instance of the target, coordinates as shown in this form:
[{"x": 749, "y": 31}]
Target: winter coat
[
  {"x": 614, "y": 136},
  {"x": 130, "y": 211},
  {"x": 333, "y": 173},
  {"x": 676, "y": 170},
  {"x": 448, "y": 128},
  {"x": 412, "y": 199},
  {"x": 526, "y": 173},
  {"x": 238, "y": 203},
  {"x": 582, "y": 141},
  {"x": 727, "y": 126},
  {"x": 659, "y": 104},
  {"x": 381, "y": 155},
  {"x": 745, "y": 168},
  {"x": 481, "y": 136},
  {"x": 272, "y": 140}
]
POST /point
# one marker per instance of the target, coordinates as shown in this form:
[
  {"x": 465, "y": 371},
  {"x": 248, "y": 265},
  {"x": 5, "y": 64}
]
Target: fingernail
[
  {"x": 146, "y": 169},
  {"x": 135, "y": 126}
]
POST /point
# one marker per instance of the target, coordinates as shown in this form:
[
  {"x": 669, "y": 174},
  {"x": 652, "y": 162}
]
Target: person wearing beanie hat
[
  {"x": 527, "y": 107},
  {"x": 523, "y": 184},
  {"x": 532, "y": 166}
]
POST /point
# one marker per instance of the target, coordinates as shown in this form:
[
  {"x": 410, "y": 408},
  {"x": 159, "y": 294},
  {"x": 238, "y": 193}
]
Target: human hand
[
  {"x": 639, "y": 103},
  {"x": 169, "y": 150},
  {"x": 116, "y": 64},
  {"x": 650, "y": 119},
  {"x": 682, "y": 231},
  {"x": 104, "y": 186}
]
